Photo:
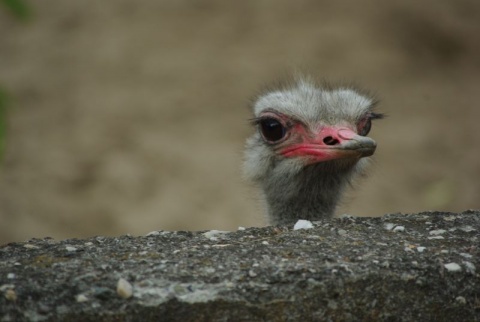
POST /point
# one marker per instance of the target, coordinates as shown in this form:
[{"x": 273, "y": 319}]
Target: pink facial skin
[{"x": 330, "y": 143}]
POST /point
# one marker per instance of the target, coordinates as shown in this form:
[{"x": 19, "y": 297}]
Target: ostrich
[{"x": 309, "y": 144}]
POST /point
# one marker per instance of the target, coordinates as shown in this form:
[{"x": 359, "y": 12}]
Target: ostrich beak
[{"x": 332, "y": 143}]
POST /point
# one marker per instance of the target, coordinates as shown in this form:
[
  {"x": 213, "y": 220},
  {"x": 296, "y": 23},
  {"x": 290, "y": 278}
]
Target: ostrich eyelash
[
  {"x": 255, "y": 121},
  {"x": 377, "y": 116}
]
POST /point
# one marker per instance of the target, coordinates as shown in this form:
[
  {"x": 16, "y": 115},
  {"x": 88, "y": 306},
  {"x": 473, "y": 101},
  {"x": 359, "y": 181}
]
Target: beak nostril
[{"x": 329, "y": 140}]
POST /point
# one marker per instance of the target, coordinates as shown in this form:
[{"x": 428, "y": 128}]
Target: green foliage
[
  {"x": 21, "y": 11},
  {"x": 18, "y": 8}
]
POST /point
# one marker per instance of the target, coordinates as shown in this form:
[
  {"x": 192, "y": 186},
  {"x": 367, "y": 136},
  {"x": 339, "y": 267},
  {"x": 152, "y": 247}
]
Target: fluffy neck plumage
[{"x": 312, "y": 193}]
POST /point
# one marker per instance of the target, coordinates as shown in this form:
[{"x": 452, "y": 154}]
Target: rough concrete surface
[{"x": 417, "y": 267}]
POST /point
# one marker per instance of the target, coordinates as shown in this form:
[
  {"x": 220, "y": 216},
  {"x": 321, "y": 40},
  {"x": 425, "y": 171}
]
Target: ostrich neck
[{"x": 311, "y": 194}]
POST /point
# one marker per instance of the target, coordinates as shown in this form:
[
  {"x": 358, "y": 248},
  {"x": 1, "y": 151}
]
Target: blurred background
[{"x": 130, "y": 116}]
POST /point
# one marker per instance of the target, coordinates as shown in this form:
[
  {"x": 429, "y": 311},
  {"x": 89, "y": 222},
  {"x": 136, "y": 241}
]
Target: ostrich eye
[
  {"x": 272, "y": 130},
  {"x": 365, "y": 126}
]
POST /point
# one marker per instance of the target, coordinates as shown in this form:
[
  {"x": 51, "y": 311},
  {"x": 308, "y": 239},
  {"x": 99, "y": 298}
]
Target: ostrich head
[{"x": 310, "y": 142}]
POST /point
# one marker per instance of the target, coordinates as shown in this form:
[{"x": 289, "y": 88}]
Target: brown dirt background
[{"x": 130, "y": 116}]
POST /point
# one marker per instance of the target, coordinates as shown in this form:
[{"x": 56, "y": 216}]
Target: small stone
[
  {"x": 466, "y": 255},
  {"x": 420, "y": 281},
  {"x": 265, "y": 242},
  {"x": 449, "y": 218},
  {"x": 467, "y": 229},
  {"x": 212, "y": 234},
  {"x": 153, "y": 233},
  {"x": 5, "y": 287},
  {"x": 219, "y": 246},
  {"x": 210, "y": 270},
  {"x": 407, "y": 277},
  {"x": 436, "y": 237},
  {"x": 453, "y": 267},
  {"x": 11, "y": 276},
  {"x": 80, "y": 298},
  {"x": 303, "y": 224},
  {"x": 124, "y": 288},
  {"x": 385, "y": 264},
  {"x": 461, "y": 300},
  {"x": 389, "y": 226},
  {"x": 10, "y": 295},
  {"x": 251, "y": 273},
  {"x": 71, "y": 248},
  {"x": 30, "y": 246},
  {"x": 470, "y": 267},
  {"x": 420, "y": 249},
  {"x": 241, "y": 228},
  {"x": 180, "y": 289},
  {"x": 437, "y": 232},
  {"x": 342, "y": 232},
  {"x": 399, "y": 229}
]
